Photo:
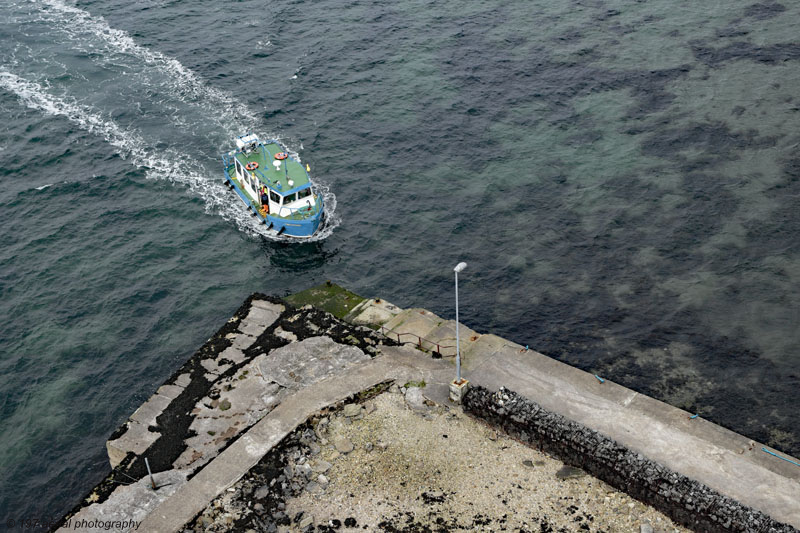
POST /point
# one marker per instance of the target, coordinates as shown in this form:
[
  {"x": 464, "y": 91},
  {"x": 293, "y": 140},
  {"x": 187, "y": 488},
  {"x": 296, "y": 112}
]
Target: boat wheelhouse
[{"x": 274, "y": 186}]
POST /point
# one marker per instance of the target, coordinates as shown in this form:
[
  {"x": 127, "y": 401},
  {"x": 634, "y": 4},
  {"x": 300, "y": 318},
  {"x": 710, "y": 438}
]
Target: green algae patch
[
  {"x": 329, "y": 297},
  {"x": 372, "y": 392}
]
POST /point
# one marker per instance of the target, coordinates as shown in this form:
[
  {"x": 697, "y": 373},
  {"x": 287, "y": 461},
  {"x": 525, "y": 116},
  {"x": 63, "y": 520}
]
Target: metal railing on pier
[{"x": 420, "y": 342}]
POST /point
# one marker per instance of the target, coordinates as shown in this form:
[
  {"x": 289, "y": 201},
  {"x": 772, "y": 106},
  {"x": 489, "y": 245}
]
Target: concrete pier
[
  {"x": 723, "y": 460},
  {"x": 272, "y": 366}
]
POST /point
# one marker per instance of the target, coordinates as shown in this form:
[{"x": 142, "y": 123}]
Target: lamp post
[{"x": 459, "y": 267}]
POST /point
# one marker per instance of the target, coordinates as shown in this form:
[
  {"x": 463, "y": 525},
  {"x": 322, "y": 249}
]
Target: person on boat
[{"x": 264, "y": 196}]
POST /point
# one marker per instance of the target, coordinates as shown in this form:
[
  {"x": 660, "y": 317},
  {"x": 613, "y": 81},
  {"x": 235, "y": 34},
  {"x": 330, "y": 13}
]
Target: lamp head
[{"x": 459, "y": 267}]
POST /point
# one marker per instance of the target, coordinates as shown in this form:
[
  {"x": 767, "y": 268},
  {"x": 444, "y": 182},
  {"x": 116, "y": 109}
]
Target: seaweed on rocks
[
  {"x": 173, "y": 424},
  {"x": 309, "y": 321}
]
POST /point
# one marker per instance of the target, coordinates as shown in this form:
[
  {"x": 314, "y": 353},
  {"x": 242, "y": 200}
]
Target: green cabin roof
[{"x": 290, "y": 169}]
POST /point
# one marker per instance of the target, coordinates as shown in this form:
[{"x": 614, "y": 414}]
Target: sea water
[{"x": 621, "y": 177}]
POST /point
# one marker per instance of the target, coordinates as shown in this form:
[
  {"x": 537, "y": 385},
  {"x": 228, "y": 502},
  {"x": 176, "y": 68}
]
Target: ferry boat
[{"x": 274, "y": 186}]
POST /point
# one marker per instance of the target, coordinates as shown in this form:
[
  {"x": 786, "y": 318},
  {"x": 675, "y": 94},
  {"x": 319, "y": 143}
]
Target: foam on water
[
  {"x": 108, "y": 48},
  {"x": 169, "y": 164},
  {"x": 93, "y": 32}
]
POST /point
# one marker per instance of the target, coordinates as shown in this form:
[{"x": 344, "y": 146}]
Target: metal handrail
[
  {"x": 385, "y": 331},
  {"x": 311, "y": 210}
]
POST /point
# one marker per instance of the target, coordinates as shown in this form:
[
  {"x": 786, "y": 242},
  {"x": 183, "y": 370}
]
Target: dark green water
[{"x": 621, "y": 177}]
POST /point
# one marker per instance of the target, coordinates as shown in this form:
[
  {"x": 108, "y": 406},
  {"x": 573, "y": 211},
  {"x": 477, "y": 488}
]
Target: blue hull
[{"x": 302, "y": 228}]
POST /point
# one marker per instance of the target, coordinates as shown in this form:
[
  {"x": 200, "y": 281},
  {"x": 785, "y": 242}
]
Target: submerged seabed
[{"x": 622, "y": 180}]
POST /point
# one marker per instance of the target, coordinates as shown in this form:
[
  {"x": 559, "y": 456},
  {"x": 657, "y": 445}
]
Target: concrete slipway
[{"x": 324, "y": 371}]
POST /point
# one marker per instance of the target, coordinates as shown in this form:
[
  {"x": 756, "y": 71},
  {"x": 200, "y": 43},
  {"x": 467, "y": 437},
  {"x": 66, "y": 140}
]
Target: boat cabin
[{"x": 271, "y": 177}]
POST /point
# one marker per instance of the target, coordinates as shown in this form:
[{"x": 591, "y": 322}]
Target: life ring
[
  {"x": 252, "y": 165},
  {"x": 280, "y": 156}
]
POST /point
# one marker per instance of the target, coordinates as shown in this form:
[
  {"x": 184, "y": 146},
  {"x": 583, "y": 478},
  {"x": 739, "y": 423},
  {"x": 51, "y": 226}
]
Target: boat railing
[
  {"x": 301, "y": 212},
  {"x": 294, "y": 213},
  {"x": 227, "y": 161},
  {"x": 261, "y": 175}
]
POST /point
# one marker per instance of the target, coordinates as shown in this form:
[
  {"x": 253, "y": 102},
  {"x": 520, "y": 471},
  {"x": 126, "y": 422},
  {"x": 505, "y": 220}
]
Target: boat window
[
  {"x": 289, "y": 199},
  {"x": 275, "y": 197},
  {"x": 239, "y": 168},
  {"x": 302, "y": 194}
]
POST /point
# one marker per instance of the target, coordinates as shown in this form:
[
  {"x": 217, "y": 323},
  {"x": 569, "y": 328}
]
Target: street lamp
[{"x": 459, "y": 267}]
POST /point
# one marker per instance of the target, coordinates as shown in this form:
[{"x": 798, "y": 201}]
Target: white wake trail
[
  {"x": 130, "y": 146},
  {"x": 112, "y": 47},
  {"x": 76, "y": 23}
]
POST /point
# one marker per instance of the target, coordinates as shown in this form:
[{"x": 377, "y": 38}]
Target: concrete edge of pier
[{"x": 696, "y": 449}]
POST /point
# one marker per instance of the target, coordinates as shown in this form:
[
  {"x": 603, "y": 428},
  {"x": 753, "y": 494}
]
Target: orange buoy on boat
[{"x": 245, "y": 169}]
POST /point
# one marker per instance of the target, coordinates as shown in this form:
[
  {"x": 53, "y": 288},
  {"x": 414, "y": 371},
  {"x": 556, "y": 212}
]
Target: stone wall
[{"x": 686, "y": 501}]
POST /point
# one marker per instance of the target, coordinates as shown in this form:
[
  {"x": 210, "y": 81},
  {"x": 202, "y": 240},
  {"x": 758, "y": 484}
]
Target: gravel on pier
[{"x": 423, "y": 467}]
